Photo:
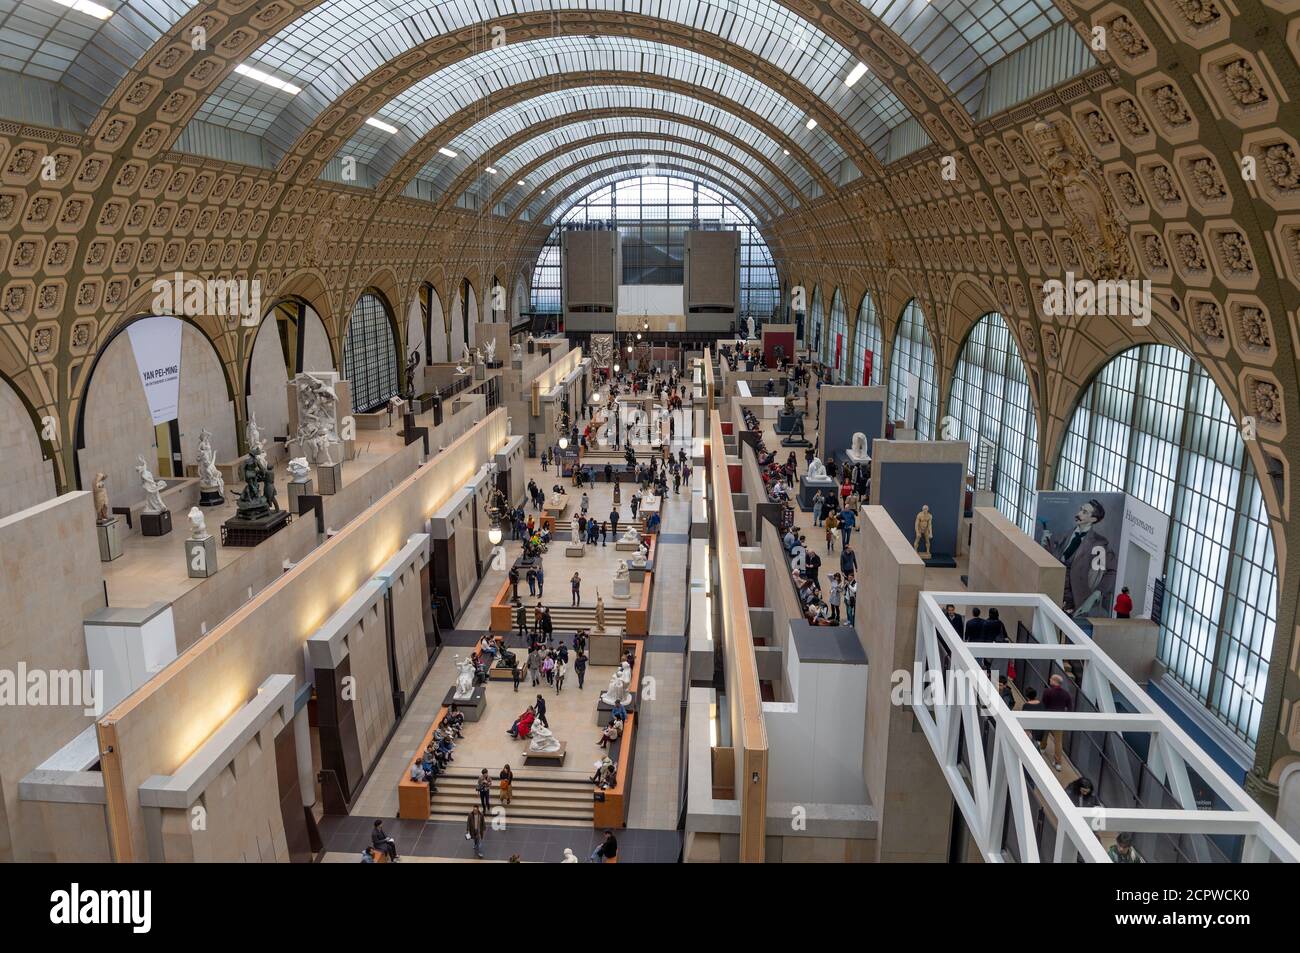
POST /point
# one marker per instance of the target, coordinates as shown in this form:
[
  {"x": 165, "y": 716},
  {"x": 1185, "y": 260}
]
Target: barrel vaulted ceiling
[{"x": 902, "y": 148}]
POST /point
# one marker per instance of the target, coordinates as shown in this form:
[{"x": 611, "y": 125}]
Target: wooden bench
[
  {"x": 413, "y": 796},
  {"x": 611, "y": 804}
]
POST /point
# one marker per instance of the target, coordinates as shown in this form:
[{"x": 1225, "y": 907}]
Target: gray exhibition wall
[
  {"x": 905, "y": 487},
  {"x": 844, "y": 418}
]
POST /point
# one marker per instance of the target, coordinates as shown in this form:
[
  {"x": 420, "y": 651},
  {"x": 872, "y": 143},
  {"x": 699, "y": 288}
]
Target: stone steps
[{"x": 543, "y": 795}]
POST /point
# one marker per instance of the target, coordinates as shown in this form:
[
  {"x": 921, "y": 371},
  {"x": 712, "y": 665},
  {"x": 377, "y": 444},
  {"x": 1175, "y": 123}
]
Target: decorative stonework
[
  {"x": 1207, "y": 320},
  {"x": 1253, "y": 327},
  {"x": 1265, "y": 400}
]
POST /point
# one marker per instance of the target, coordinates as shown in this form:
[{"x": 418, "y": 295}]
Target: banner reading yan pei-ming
[{"x": 156, "y": 342}]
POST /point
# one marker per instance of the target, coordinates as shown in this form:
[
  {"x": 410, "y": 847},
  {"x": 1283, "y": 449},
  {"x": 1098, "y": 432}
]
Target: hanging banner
[
  {"x": 156, "y": 342},
  {"x": 839, "y": 346},
  {"x": 867, "y": 358}
]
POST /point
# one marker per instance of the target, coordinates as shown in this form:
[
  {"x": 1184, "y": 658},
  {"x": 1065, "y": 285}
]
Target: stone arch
[{"x": 27, "y": 470}]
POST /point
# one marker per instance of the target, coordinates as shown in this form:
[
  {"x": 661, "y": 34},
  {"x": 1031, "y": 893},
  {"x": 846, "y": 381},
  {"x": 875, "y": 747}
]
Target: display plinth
[
  {"x": 110, "y": 539},
  {"x": 201, "y": 557},
  {"x": 785, "y": 423},
  {"x": 604, "y": 710},
  {"x": 298, "y": 489},
  {"x": 243, "y": 531},
  {"x": 211, "y": 497},
  {"x": 473, "y": 707},
  {"x": 628, "y": 546},
  {"x": 575, "y": 549},
  {"x": 796, "y": 441},
  {"x": 331, "y": 478},
  {"x": 604, "y": 648},
  {"x": 623, "y": 587},
  {"x": 857, "y": 459},
  {"x": 156, "y": 524},
  {"x": 551, "y": 758},
  {"x": 808, "y": 487}
]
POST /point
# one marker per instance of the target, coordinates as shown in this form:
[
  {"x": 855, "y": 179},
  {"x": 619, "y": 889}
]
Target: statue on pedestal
[
  {"x": 618, "y": 690},
  {"x": 317, "y": 425},
  {"x": 600, "y": 612},
  {"x": 210, "y": 478},
  {"x": 253, "y": 435},
  {"x": 817, "y": 470},
  {"x": 152, "y": 487},
  {"x": 490, "y": 351},
  {"x": 924, "y": 531},
  {"x": 631, "y": 535},
  {"x": 543, "y": 739},
  {"x": 465, "y": 679},
  {"x": 577, "y": 533},
  {"x": 198, "y": 524},
  {"x": 258, "y": 496},
  {"x": 102, "y": 514}
]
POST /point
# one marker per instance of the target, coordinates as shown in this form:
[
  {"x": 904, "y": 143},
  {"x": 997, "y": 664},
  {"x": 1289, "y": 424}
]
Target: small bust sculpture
[
  {"x": 299, "y": 469},
  {"x": 817, "y": 469},
  {"x": 198, "y": 524}
]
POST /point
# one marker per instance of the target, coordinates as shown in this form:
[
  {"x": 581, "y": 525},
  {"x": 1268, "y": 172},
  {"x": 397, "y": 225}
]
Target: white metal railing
[{"x": 949, "y": 701}]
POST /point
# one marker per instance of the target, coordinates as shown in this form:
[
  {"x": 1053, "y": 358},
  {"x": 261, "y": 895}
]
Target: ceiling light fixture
[
  {"x": 274, "y": 82},
  {"x": 380, "y": 124},
  {"x": 810, "y": 124},
  {"x": 491, "y": 171},
  {"x": 521, "y": 182},
  {"x": 449, "y": 153},
  {"x": 786, "y": 151},
  {"x": 88, "y": 8},
  {"x": 855, "y": 74}
]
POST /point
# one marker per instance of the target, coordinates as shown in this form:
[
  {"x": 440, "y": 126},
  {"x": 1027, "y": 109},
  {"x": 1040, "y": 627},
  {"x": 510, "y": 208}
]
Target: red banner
[
  {"x": 839, "y": 343},
  {"x": 866, "y": 368}
]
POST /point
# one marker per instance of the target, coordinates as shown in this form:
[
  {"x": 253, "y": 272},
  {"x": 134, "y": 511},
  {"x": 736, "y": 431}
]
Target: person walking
[
  {"x": 548, "y": 626},
  {"x": 837, "y": 594},
  {"x": 539, "y": 707},
  {"x": 847, "y": 521},
  {"x": 540, "y": 580},
  {"x": 484, "y": 788},
  {"x": 580, "y": 668},
  {"x": 818, "y": 503},
  {"x": 1056, "y": 698},
  {"x": 532, "y": 581},
  {"x": 585, "y": 502},
  {"x": 604, "y": 533},
  {"x": 832, "y": 525},
  {"x": 507, "y": 780},
  {"x": 474, "y": 831},
  {"x": 548, "y": 668},
  {"x": 613, "y": 521},
  {"x": 851, "y": 599},
  {"x": 560, "y": 669},
  {"x": 575, "y": 584},
  {"x": 848, "y": 560},
  {"x": 534, "y": 667},
  {"x": 521, "y": 619}
]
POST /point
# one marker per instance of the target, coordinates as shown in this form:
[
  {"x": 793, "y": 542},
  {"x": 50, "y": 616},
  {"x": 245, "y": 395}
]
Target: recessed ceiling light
[
  {"x": 810, "y": 124},
  {"x": 266, "y": 78},
  {"x": 88, "y": 8},
  {"x": 492, "y": 170},
  {"x": 855, "y": 74},
  {"x": 443, "y": 150},
  {"x": 521, "y": 181},
  {"x": 380, "y": 124},
  {"x": 786, "y": 151}
]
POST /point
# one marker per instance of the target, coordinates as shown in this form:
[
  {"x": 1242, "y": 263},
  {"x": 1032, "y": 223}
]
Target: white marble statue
[
  {"x": 631, "y": 535},
  {"x": 466, "y": 356},
  {"x": 618, "y": 690},
  {"x": 817, "y": 470},
  {"x": 490, "y": 351},
  {"x": 858, "y": 449},
  {"x": 318, "y": 437},
  {"x": 749, "y": 322},
  {"x": 253, "y": 434},
  {"x": 543, "y": 739},
  {"x": 621, "y": 571},
  {"x": 198, "y": 524},
  {"x": 577, "y": 533},
  {"x": 464, "y": 679},
  {"x": 460, "y": 368},
  {"x": 643, "y": 551},
  {"x": 210, "y": 477},
  {"x": 299, "y": 469},
  {"x": 101, "y": 498},
  {"x": 152, "y": 487},
  {"x": 516, "y": 352},
  {"x": 600, "y": 613}
]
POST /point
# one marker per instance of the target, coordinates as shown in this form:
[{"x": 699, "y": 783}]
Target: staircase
[
  {"x": 540, "y": 795},
  {"x": 566, "y": 619}
]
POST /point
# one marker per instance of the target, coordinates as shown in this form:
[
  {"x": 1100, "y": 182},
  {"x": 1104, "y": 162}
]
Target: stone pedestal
[
  {"x": 473, "y": 707},
  {"x": 547, "y": 758},
  {"x": 604, "y": 649},
  {"x": 241, "y": 531},
  {"x": 575, "y": 549},
  {"x": 211, "y": 496},
  {"x": 296, "y": 490},
  {"x": 110, "y": 539},
  {"x": 331, "y": 478},
  {"x": 156, "y": 524},
  {"x": 201, "y": 557},
  {"x": 808, "y": 488},
  {"x": 785, "y": 422},
  {"x": 857, "y": 459},
  {"x": 627, "y": 546},
  {"x": 623, "y": 587}
]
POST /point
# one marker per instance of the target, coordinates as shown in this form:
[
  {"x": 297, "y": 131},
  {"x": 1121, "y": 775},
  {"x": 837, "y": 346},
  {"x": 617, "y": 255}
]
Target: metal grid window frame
[
  {"x": 990, "y": 399},
  {"x": 641, "y": 205},
  {"x": 1154, "y": 424},
  {"x": 370, "y": 354},
  {"x": 867, "y": 336},
  {"x": 914, "y": 353}
]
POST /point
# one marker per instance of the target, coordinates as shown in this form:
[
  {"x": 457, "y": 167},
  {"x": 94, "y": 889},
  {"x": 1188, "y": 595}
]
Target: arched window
[
  {"x": 370, "y": 354},
  {"x": 911, "y": 374},
  {"x": 990, "y": 401},
  {"x": 1153, "y": 424},
  {"x": 867, "y": 337},
  {"x": 839, "y": 334}
]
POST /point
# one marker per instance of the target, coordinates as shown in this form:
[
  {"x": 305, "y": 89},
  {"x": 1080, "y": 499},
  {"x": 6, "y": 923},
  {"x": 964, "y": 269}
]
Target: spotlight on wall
[
  {"x": 494, "y": 535},
  {"x": 564, "y": 443}
]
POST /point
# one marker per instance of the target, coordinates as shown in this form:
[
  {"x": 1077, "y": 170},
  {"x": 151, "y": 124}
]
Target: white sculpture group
[
  {"x": 210, "y": 478},
  {"x": 817, "y": 470},
  {"x": 543, "y": 739},
  {"x": 464, "y": 679},
  {"x": 620, "y": 686},
  {"x": 317, "y": 436},
  {"x": 299, "y": 470},
  {"x": 152, "y": 487}
]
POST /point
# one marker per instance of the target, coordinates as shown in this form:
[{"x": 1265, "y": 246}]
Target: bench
[{"x": 413, "y": 796}]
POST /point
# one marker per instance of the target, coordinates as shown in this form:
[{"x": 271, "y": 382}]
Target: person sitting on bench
[
  {"x": 381, "y": 841},
  {"x": 606, "y": 774},
  {"x": 610, "y": 732},
  {"x": 523, "y": 726},
  {"x": 454, "y": 722}
]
